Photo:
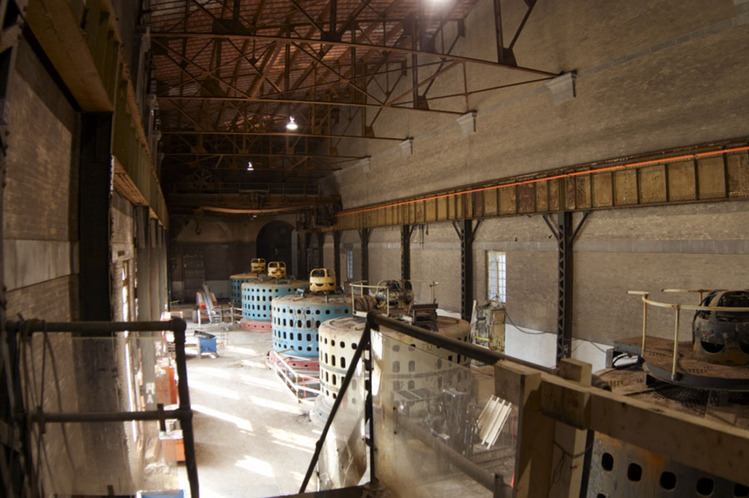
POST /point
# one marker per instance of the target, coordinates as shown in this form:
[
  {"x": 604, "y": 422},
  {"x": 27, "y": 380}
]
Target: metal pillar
[
  {"x": 95, "y": 180},
  {"x": 406, "y": 231},
  {"x": 337, "y": 257},
  {"x": 105, "y": 414},
  {"x": 364, "y": 234},
  {"x": 564, "y": 296},
  {"x": 565, "y": 236},
  {"x": 504, "y": 55},
  {"x": 295, "y": 253},
  {"x": 304, "y": 243},
  {"x": 320, "y": 250},
  {"x": 467, "y": 233}
]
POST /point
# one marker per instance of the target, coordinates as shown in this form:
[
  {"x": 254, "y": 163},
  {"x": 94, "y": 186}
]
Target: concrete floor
[{"x": 253, "y": 438}]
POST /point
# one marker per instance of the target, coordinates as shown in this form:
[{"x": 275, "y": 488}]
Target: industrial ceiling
[{"x": 229, "y": 74}]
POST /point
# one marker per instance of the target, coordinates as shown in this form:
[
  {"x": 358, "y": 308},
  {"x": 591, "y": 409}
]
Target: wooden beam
[
  {"x": 672, "y": 435},
  {"x": 57, "y": 27},
  {"x": 570, "y": 442},
  {"x": 521, "y": 386}
]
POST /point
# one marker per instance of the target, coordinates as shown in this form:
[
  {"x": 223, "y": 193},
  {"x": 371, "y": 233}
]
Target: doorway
[{"x": 274, "y": 242}]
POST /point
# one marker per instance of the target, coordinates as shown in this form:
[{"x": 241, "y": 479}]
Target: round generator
[
  {"x": 339, "y": 338},
  {"x": 257, "y": 297},
  {"x": 411, "y": 373},
  {"x": 297, "y": 318},
  {"x": 240, "y": 278}
]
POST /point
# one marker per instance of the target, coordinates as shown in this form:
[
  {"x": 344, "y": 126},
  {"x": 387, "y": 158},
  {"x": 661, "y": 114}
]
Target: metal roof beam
[
  {"x": 199, "y": 98},
  {"x": 365, "y": 46},
  {"x": 278, "y": 134},
  {"x": 261, "y": 154}
]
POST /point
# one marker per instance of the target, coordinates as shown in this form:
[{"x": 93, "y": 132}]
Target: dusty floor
[{"x": 253, "y": 438}]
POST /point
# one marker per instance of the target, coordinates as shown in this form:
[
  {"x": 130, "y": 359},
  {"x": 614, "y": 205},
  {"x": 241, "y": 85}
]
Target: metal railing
[
  {"x": 374, "y": 320},
  {"x": 677, "y": 307},
  {"x": 16, "y": 331}
]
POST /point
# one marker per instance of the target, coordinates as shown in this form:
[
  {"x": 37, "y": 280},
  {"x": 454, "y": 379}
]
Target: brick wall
[
  {"x": 686, "y": 247},
  {"x": 40, "y": 219},
  {"x": 663, "y": 84},
  {"x": 672, "y": 78}
]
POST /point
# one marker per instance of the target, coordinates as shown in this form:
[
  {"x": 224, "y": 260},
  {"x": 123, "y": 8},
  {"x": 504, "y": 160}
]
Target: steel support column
[
  {"x": 406, "y": 231},
  {"x": 467, "y": 233},
  {"x": 565, "y": 236},
  {"x": 320, "y": 250},
  {"x": 565, "y": 285},
  {"x": 337, "y": 257},
  {"x": 97, "y": 392},
  {"x": 504, "y": 55},
  {"x": 94, "y": 216},
  {"x": 304, "y": 260},
  {"x": 364, "y": 234}
]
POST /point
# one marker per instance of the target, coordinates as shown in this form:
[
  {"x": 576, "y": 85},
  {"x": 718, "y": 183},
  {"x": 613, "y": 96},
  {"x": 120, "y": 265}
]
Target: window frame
[{"x": 496, "y": 262}]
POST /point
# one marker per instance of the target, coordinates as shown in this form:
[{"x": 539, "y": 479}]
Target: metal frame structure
[
  {"x": 22, "y": 417},
  {"x": 676, "y": 374},
  {"x": 337, "y": 257},
  {"x": 467, "y": 233},
  {"x": 406, "y": 232},
  {"x": 227, "y": 77},
  {"x": 557, "y": 407},
  {"x": 565, "y": 237},
  {"x": 364, "y": 235}
]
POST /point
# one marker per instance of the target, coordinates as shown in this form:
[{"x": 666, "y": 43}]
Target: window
[
  {"x": 496, "y": 265},
  {"x": 350, "y": 264}
]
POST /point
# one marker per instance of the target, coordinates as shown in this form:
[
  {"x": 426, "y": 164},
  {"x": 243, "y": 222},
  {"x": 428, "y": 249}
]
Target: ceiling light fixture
[
  {"x": 249, "y": 166},
  {"x": 291, "y": 125}
]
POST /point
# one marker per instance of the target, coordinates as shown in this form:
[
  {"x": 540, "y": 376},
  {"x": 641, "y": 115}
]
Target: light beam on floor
[{"x": 241, "y": 423}]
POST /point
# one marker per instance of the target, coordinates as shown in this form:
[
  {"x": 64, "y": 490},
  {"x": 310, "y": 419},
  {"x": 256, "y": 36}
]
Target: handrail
[
  {"x": 363, "y": 344},
  {"x": 374, "y": 320},
  {"x": 677, "y": 307},
  {"x": 183, "y": 412}
]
